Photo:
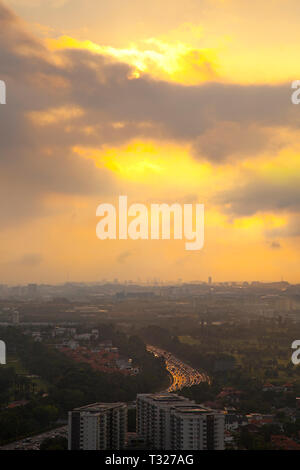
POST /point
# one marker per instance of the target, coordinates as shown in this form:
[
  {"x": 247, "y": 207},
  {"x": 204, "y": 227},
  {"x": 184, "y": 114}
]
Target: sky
[{"x": 165, "y": 102}]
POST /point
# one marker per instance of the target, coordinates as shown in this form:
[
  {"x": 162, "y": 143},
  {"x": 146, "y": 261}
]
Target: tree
[{"x": 55, "y": 443}]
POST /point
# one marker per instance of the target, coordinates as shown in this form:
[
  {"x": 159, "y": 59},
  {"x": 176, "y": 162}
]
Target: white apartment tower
[
  {"x": 197, "y": 428},
  {"x": 170, "y": 422},
  {"x": 100, "y": 426},
  {"x": 153, "y": 418}
]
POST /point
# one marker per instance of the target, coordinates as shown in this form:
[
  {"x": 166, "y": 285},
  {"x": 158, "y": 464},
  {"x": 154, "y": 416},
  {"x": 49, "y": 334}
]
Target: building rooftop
[
  {"x": 96, "y": 407},
  {"x": 194, "y": 409},
  {"x": 164, "y": 397}
]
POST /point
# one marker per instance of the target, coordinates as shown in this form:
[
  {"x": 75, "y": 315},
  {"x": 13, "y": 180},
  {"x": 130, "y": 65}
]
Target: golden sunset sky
[{"x": 163, "y": 101}]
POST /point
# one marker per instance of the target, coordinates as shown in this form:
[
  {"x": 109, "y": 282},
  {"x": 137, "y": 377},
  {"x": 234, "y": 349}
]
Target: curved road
[{"x": 182, "y": 374}]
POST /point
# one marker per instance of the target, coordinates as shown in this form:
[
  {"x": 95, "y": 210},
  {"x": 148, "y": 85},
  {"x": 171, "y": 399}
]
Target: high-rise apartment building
[
  {"x": 153, "y": 418},
  {"x": 100, "y": 426},
  {"x": 170, "y": 422},
  {"x": 197, "y": 428}
]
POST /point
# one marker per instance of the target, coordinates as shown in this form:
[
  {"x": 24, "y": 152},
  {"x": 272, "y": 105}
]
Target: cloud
[
  {"x": 231, "y": 140},
  {"x": 122, "y": 257},
  {"x": 37, "y": 160},
  {"x": 39, "y": 127},
  {"x": 266, "y": 194},
  {"x": 220, "y": 121},
  {"x": 31, "y": 259},
  {"x": 275, "y": 245},
  {"x": 290, "y": 230},
  {"x": 37, "y": 3},
  {"x": 261, "y": 194}
]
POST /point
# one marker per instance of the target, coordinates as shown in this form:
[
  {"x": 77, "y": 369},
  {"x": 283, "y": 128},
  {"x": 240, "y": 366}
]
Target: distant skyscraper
[
  {"x": 100, "y": 426},
  {"x": 210, "y": 280},
  {"x": 32, "y": 290}
]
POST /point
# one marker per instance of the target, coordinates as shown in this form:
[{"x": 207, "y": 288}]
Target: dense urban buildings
[
  {"x": 100, "y": 426},
  {"x": 225, "y": 346}
]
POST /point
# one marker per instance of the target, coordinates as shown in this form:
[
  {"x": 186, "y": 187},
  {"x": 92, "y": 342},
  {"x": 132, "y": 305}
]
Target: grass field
[{"x": 188, "y": 340}]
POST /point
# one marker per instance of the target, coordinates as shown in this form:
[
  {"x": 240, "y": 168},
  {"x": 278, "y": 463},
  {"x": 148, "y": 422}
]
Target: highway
[
  {"x": 33, "y": 443},
  {"x": 182, "y": 374}
]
